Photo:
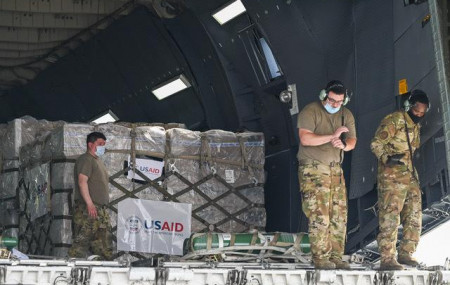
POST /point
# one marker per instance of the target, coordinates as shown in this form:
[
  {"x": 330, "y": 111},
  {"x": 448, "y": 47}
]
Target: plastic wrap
[
  {"x": 61, "y": 232},
  {"x": 10, "y": 164},
  {"x": 3, "y": 129},
  {"x": 9, "y": 182},
  {"x": 62, "y": 175},
  {"x": 33, "y": 238},
  {"x": 31, "y": 154},
  {"x": 9, "y": 218},
  {"x": 237, "y": 159},
  {"x": 45, "y": 127},
  {"x": 36, "y": 183},
  {"x": 149, "y": 140},
  {"x": 184, "y": 143},
  {"x": 19, "y": 132},
  {"x": 66, "y": 141},
  {"x": 62, "y": 187}
]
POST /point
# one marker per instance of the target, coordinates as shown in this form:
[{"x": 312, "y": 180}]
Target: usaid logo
[
  {"x": 163, "y": 226},
  {"x": 148, "y": 169},
  {"x": 133, "y": 224}
]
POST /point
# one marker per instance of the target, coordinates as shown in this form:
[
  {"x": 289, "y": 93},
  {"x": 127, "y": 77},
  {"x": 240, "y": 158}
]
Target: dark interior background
[{"x": 369, "y": 45}]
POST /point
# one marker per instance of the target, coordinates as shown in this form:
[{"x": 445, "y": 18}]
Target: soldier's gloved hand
[{"x": 395, "y": 159}]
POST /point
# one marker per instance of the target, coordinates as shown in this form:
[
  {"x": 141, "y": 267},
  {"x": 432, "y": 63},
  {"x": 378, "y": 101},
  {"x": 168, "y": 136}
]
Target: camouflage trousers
[
  {"x": 399, "y": 201},
  {"x": 91, "y": 235},
  {"x": 324, "y": 202}
]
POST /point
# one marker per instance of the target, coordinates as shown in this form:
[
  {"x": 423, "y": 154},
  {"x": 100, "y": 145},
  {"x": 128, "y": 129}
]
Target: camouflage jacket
[{"x": 390, "y": 138}]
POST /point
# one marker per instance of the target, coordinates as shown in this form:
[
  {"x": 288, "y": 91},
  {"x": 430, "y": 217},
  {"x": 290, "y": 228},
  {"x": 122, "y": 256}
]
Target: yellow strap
[
  {"x": 232, "y": 239},
  {"x": 208, "y": 241},
  {"x": 275, "y": 239},
  {"x": 298, "y": 241},
  {"x": 254, "y": 238}
]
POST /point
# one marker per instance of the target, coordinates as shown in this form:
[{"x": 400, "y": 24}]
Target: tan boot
[
  {"x": 340, "y": 264},
  {"x": 407, "y": 260},
  {"x": 324, "y": 264},
  {"x": 390, "y": 264}
]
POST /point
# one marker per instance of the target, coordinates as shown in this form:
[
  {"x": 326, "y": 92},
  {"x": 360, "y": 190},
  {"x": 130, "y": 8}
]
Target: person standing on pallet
[
  {"x": 91, "y": 218},
  {"x": 399, "y": 195},
  {"x": 326, "y": 130}
]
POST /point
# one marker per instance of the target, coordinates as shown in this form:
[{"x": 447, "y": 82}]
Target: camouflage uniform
[
  {"x": 399, "y": 195},
  {"x": 324, "y": 202},
  {"x": 322, "y": 184},
  {"x": 93, "y": 234}
]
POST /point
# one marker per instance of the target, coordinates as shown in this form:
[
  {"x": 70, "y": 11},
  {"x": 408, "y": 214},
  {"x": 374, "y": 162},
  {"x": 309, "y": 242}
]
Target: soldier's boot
[
  {"x": 324, "y": 264},
  {"x": 390, "y": 264},
  {"x": 340, "y": 264},
  {"x": 407, "y": 260}
]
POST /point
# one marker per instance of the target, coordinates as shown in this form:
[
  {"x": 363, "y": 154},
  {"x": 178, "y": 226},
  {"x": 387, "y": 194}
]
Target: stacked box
[
  {"x": 67, "y": 141},
  {"x": 15, "y": 134},
  {"x": 19, "y": 132},
  {"x": 196, "y": 155},
  {"x": 149, "y": 142},
  {"x": 236, "y": 159},
  {"x": 54, "y": 152},
  {"x": 9, "y": 218}
]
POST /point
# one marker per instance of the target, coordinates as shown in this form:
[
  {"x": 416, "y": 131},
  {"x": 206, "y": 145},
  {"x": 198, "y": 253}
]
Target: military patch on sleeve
[{"x": 383, "y": 135}]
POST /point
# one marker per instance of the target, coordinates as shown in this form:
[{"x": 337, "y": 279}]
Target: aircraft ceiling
[{"x": 36, "y": 34}]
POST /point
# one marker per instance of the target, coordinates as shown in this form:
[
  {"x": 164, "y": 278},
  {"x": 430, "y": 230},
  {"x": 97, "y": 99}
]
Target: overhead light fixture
[
  {"x": 229, "y": 11},
  {"x": 105, "y": 117},
  {"x": 171, "y": 87}
]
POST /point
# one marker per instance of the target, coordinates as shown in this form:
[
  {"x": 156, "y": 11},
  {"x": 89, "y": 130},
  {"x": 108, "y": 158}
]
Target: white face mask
[{"x": 100, "y": 150}]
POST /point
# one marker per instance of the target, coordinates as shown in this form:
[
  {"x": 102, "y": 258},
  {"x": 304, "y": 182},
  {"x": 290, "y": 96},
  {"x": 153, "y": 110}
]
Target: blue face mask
[
  {"x": 100, "y": 150},
  {"x": 330, "y": 109}
]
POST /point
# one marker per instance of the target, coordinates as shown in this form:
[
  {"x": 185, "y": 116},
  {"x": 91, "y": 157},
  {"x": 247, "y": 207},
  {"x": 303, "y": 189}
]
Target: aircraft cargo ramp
[{"x": 99, "y": 272}]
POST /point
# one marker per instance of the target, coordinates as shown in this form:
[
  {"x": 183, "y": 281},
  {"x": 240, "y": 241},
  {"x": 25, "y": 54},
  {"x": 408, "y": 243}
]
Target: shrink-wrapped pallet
[
  {"x": 19, "y": 132},
  {"x": 66, "y": 141},
  {"x": 52, "y": 153},
  {"x": 238, "y": 162},
  {"x": 230, "y": 201},
  {"x": 15, "y": 134}
]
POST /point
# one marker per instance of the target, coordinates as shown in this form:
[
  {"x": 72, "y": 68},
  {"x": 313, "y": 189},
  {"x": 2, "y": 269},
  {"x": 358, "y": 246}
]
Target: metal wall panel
[{"x": 374, "y": 85}]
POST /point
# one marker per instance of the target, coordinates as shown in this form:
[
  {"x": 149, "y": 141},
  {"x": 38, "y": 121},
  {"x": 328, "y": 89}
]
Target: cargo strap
[
  {"x": 244, "y": 159},
  {"x": 63, "y": 160},
  {"x": 11, "y": 226},
  {"x": 208, "y": 241},
  {"x": 190, "y": 187},
  {"x": 298, "y": 241},
  {"x": 258, "y": 248},
  {"x": 138, "y": 152},
  {"x": 8, "y": 199},
  {"x": 9, "y": 170},
  {"x": 232, "y": 239},
  {"x": 133, "y": 149},
  {"x": 36, "y": 237},
  {"x": 204, "y": 157}
]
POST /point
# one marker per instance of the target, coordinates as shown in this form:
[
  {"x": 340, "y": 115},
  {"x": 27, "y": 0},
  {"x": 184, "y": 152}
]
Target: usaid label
[
  {"x": 149, "y": 167},
  {"x": 153, "y": 226}
]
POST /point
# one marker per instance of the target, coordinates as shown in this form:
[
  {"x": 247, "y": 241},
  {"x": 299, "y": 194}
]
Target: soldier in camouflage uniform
[
  {"x": 399, "y": 195},
  {"x": 92, "y": 230},
  {"x": 322, "y": 126}
]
